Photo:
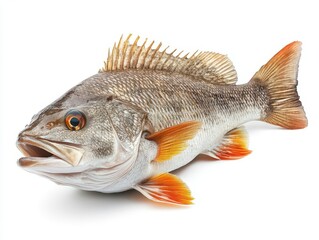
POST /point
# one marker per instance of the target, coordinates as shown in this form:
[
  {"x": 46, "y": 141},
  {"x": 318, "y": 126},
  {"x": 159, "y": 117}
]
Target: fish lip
[{"x": 42, "y": 151}]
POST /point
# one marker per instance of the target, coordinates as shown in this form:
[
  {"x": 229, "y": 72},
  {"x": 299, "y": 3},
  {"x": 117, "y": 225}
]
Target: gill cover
[{"x": 128, "y": 123}]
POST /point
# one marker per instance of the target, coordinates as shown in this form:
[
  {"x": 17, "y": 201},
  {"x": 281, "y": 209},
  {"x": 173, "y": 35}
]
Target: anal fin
[
  {"x": 233, "y": 146},
  {"x": 166, "y": 188}
]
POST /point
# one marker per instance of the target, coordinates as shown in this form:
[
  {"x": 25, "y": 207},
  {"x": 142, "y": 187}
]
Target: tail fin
[{"x": 279, "y": 77}]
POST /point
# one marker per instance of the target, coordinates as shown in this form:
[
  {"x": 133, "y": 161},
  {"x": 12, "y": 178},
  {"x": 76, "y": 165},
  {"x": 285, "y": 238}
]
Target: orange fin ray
[
  {"x": 173, "y": 140},
  {"x": 166, "y": 188},
  {"x": 233, "y": 146},
  {"x": 279, "y": 76}
]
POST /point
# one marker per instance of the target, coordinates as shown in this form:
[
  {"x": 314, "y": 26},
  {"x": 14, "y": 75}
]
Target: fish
[{"x": 149, "y": 111}]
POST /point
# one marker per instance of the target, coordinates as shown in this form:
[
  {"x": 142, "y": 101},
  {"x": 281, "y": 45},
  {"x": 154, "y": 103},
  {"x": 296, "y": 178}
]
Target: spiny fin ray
[{"x": 209, "y": 67}]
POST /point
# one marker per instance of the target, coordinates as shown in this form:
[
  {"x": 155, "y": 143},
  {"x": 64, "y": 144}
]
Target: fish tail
[{"x": 278, "y": 77}]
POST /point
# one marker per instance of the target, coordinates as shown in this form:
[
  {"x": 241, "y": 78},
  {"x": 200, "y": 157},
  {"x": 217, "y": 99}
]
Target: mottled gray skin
[
  {"x": 121, "y": 105},
  {"x": 171, "y": 98}
]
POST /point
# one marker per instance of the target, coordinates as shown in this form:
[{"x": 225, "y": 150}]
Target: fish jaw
[
  {"x": 61, "y": 163},
  {"x": 43, "y": 155}
]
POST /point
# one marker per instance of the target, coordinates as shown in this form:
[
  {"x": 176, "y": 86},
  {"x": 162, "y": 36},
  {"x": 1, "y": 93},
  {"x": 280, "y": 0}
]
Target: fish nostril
[{"x": 49, "y": 125}]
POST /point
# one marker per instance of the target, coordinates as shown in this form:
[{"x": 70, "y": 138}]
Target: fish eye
[{"x": 75, "y": 120}]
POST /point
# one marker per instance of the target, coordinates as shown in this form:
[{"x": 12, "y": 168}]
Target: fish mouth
[{"x": 47, "y": 155}]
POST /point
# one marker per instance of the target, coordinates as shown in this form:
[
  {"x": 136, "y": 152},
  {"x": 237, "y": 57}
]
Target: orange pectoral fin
[
  {"x": 166, "y": 188},
  {"x": 172, "y": 141},
  {"x": 232, "y": 147}
]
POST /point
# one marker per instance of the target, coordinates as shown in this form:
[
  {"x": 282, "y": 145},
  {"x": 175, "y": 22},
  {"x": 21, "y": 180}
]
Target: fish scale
[{"x": 178, "y": 99}]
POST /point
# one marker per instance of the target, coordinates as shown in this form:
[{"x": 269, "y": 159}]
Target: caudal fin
[{"x": 279, "y": 77}]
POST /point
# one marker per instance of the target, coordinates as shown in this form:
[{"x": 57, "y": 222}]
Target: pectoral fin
[
  {"x": 232, "y": 147},
  {"x": 166, "y": 188},
  {"x": 172, "y": 141}
]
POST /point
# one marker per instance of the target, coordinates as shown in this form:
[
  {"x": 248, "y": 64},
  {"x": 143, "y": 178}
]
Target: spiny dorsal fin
[{"x": 209, "y": 67}]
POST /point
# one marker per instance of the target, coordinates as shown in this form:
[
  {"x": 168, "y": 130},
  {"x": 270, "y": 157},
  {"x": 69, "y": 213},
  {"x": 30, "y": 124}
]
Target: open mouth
[
  {"x": 44, "y": 153},
  {"x": 30, "y": 150}
]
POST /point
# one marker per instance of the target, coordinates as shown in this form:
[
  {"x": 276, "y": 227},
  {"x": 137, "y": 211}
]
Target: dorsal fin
[{"x": 209, "y": 67}]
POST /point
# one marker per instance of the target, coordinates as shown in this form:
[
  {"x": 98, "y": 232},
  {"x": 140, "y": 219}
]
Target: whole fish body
[{"x": 147, "y": 113}]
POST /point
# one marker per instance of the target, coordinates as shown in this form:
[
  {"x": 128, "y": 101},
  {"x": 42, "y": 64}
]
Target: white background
[{"x": 46, "y": 47}]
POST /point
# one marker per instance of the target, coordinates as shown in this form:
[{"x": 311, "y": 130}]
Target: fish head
[{"x": 83, "y": 142}]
